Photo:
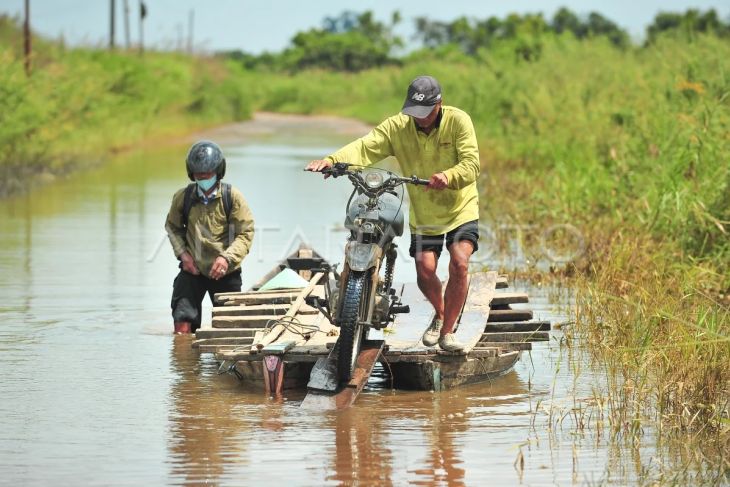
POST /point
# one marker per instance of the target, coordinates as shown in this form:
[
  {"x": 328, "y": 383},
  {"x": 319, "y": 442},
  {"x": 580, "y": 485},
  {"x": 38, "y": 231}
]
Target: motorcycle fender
[{"x": 360, "y": 257}]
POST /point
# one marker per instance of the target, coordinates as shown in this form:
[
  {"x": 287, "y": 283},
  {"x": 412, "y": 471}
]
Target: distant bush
[
  {"x": 81, "y": 101},
  {"x": 349, "y": 42},
  {"x": 524, "y": 32},
  {"x": 688, "y": 24}
]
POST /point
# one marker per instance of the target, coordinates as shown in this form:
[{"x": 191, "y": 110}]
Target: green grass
[
  {"x": 629, "y": 146},
  {"x": 80, "y": 104}
]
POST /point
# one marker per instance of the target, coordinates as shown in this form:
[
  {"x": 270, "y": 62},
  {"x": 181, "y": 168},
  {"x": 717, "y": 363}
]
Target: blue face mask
[{"x": 206, "y": 184}]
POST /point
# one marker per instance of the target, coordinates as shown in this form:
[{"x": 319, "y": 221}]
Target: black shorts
[{"x": 434, "y": 243}]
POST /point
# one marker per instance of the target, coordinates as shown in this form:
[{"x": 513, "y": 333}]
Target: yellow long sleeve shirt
[{"x": 450, "y": 148}]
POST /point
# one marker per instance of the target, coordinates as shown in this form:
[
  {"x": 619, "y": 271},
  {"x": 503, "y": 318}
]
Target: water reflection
[
  {"x": 201, "y": 418},
  {"x": 390, "y": 438},
  {"x": 361, "y": 452}
]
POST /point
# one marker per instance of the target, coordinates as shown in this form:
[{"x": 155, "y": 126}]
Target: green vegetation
[
  {"x": 627, "y": 144},
  {"x": 81, "y": 102},
  {"x": 348, "y": 42}
]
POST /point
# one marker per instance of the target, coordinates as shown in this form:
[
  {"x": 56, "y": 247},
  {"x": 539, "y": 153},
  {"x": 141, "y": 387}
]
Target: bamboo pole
[{"x": 278, "y": 329}]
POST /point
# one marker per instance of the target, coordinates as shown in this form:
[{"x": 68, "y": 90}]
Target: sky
[{"x": 261, "y": 26}]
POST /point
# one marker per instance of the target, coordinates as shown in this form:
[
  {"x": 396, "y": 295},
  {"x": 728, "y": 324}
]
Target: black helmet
[{"x": 205, "y": 156}]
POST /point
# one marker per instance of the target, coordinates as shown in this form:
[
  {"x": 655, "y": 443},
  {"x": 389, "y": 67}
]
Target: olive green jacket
[
  {"x": 206, "y": 236},
  {"x": 450, "y": 148}
]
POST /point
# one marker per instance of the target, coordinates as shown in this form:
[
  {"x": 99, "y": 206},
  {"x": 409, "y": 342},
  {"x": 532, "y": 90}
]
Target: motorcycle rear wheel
[{"x": 351, "y": 330}]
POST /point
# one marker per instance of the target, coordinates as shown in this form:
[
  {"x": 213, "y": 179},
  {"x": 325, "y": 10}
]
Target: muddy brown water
[{"x": 96, "y": 390}]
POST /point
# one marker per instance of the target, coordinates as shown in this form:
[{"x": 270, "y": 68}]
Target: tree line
[{"x": 355, "y": 41}]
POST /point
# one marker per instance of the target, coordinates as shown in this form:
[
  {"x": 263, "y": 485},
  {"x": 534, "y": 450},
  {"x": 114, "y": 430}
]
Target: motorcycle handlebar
[
  {"x": 417, "y": 181},
  {"x": 342, "y": 168}
]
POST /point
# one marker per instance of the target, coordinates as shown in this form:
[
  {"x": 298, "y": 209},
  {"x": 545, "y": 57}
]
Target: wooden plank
[
  {"x": 415, "y": 358},
  {"x": 481, "y": 352},
  {"x": 239, "y": 294},
  {"x": 476, "y": 309},
  {"x": 242, "y": 321},
  {"x": 509, "y": 298},
  {"x": 319, "y": 350},
  {"x": 256, "y": 309},
  {"x": 278, "y": 328},
  {"x": 507, "y": 346},
  {"x": 203, "y": 333},
  {"x": 493, "y": 327},
  {"x": 311, "y": 349},
  {"x": 522, "y": 336},
  {"x": 407, "y": 325},
  {"x": 259, "y": 309},
  {"x": 217, "y": 349},
  {"x": 323, "y": 376},
  {"x": 273, "y": 298},
  {"x": 239, "y": 341},
  {"x": 501, "y": 315},
  {"x": 279, "y": 348},
  {"x": 364, "y": 364},
  {"x": 234, "y": 355}
]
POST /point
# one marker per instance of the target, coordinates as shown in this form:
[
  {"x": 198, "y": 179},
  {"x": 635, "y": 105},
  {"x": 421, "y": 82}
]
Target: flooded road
[{"x": 96, "y": 390}]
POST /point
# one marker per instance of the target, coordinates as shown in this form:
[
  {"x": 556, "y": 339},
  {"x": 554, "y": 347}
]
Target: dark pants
[{"x": 188, "y": 292}]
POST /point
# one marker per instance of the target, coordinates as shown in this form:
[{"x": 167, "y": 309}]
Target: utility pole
[
  {"x": 142, "y": 15},
  {"x": 27, "y": 38},
  {"x": 179, "y": 46},
  {"x": 126, "y": 23},
  {"x": 111, "y": 25},
  {"x": 191, "y": 22}
]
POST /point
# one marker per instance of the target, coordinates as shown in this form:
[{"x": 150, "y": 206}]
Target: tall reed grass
[{"x": 629, "y": 146}]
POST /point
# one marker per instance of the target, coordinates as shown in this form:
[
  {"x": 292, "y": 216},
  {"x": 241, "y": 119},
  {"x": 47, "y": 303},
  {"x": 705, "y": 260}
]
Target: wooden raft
[
  {"x": 267, "y": 324},
  {"x": 494, "y": 331}
]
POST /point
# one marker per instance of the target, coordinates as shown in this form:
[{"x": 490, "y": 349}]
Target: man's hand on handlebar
[
  {"x": 318, "y": 165},
  {"x": 438, "y": 181}
]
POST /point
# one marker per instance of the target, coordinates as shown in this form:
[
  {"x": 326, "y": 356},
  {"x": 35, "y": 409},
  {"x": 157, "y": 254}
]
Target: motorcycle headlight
[{"x": 374, "y": 179}]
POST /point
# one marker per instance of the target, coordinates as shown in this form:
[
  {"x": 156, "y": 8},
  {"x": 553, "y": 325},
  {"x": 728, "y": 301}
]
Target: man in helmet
[
  {"x": 437, "y": 143},
  {"x": 210, "y": 227}
]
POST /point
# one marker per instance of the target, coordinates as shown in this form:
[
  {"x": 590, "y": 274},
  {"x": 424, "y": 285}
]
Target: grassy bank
[
  {"x": 78, "y": 105},
  {"x": 631, "y": 148}
]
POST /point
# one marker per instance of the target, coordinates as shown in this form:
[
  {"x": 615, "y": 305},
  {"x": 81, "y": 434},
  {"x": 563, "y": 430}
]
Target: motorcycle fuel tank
[{"x": 390, "y": 213}]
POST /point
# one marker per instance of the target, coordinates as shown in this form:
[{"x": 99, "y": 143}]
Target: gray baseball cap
[{"x": 423, "y": 93}]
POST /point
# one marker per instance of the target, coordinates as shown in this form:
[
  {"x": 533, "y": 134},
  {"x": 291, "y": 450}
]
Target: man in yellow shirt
[{"x": 438, "y": 143}]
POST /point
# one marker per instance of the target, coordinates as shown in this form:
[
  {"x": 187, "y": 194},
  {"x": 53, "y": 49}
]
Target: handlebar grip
[
  {"x": 337, "y": 169},
  {"x": 418, "y": 181}
]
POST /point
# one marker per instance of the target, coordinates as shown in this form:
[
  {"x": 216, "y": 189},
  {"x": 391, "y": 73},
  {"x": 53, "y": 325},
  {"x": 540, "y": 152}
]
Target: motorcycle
[{"x": 360, "y": 298}]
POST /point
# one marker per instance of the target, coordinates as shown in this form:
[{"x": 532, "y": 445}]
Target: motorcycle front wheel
[{"x": 352, "y": 312}]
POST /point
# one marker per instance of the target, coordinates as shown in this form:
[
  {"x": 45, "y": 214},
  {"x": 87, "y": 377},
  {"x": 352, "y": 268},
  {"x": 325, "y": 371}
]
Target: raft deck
[{"x": 273, "y": 339}]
